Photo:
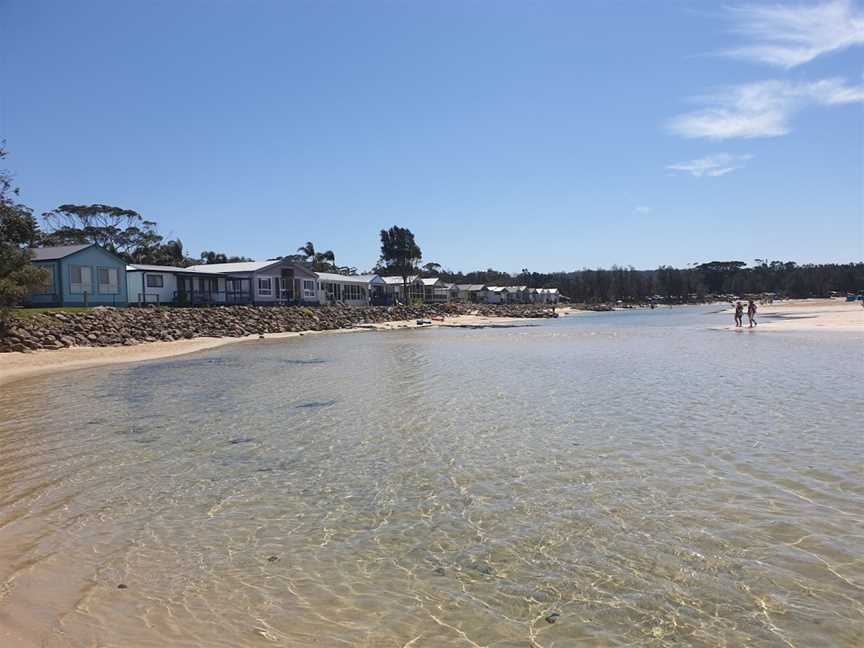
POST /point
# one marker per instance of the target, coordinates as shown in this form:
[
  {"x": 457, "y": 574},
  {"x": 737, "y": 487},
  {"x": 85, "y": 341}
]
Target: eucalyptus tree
[
  {"x": 432, "y": 268},
  {"x": 400, "y": 253},
  {"x": 118, "y": 230}
]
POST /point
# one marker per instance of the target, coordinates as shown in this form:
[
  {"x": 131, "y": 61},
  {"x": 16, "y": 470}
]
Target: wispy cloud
[
  {"x": 712, "y": 165},
  {"x": 762, "y": 109},
  {"x": 790, "y": 35},
  {"x": 643, "y": 210}
]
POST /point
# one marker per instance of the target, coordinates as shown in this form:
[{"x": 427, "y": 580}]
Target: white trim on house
[
  {"x": 156, "y": 284},
  {"x": 289, "y": 281},
  {"x": 353, "y": 290}
]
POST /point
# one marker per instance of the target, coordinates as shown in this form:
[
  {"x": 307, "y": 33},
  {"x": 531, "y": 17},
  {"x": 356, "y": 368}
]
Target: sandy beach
[
  {"x": 834, "y": 315},
  {"x": 18, "y": 366}
]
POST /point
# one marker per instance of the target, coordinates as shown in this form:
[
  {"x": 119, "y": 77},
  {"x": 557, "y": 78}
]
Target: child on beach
[{"x": 751, "y": 313}]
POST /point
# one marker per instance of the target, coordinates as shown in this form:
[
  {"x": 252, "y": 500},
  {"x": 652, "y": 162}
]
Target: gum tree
[{"x": 400, "y": 253}]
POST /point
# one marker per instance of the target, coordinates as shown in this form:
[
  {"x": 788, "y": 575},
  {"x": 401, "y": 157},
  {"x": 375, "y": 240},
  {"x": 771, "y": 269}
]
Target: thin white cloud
[
  {"x": 762, "y": 109},
  {"x": 791, "y": 35},
  {"x": 711, "y": 166},
  {"x": 643, "y": 210}
]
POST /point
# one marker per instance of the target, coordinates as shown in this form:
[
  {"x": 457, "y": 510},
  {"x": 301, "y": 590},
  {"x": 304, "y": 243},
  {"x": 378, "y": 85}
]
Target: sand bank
[
  {"x": 17, "y": 366},
  {"x": 827, "y": 315}
]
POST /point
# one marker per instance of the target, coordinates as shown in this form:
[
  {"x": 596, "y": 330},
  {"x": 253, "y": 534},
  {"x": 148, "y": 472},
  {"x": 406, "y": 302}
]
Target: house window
[
  {"x": 355, "y": 292},
  {"x": 108, "y": 284},
  {"x": 330, "y": 289},
  {"x": 79, "y": 279},
  {"x": 308, "y": 288},
  {"x": 155, "y": 281},
  {"x": 265, "y": 286},
  {"x": 47, "y": 288},
  {"x": 237, "y": 285}
]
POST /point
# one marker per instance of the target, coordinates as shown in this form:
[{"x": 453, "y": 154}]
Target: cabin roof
[
  {"x": 339, "y": 278},
  {"x": 248, "y": 267},
  {"x": 242, "y": 266},
  {"x": 144, "y": 267},
  {"x": 397, "y": 280},
  {"x": 57, "y": 251}
]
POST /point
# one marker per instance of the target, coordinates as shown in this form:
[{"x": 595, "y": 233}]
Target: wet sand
[
  {"x": 17, "y": 366},
  {"x": 829, "y": 315}
]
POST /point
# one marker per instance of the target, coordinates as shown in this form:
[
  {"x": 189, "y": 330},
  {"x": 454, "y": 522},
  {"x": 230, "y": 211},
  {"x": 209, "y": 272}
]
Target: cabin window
[
  {"x": 265, "y": 286},
  {"x": 207, "y": 285},
  {"x": 108, "y": 284},
  {"x": 155, "y": 281},
  {"x": 308, "y": 288},
  {"x": 237, "y": 285},
  {"x": 80, "y": 279},
  {"x": 353, "y": 292}
]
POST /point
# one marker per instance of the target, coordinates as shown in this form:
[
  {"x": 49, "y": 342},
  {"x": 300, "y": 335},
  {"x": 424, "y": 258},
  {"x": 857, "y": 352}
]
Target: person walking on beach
[
  {"x": 751, "y": 313},
  {"x": 739, "y": 314}
]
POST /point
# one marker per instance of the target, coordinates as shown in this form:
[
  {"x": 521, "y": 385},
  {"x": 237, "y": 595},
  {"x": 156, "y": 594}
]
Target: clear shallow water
[{"x": 652, "y": 482}]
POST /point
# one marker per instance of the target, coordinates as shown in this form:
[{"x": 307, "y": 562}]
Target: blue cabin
[{"x": 81, "y": 275}]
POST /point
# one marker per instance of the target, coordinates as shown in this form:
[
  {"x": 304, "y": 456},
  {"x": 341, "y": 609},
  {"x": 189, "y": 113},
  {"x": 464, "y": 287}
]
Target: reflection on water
[{"x": 620, "y": 479}]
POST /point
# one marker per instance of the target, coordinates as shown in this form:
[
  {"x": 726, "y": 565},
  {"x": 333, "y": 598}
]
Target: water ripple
[{"x": 619, "y": 479}]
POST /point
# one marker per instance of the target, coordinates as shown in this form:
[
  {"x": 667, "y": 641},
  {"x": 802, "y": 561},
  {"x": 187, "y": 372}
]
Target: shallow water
[{"x": 650, "y": 481}]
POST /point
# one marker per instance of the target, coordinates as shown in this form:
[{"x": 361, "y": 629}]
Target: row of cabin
[
  {"x": 88, "y": 275},
  {"x": 476, "y": 293}
]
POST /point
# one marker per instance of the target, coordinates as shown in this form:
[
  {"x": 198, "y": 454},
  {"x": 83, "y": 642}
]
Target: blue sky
[{"x": 548, "y": 135}]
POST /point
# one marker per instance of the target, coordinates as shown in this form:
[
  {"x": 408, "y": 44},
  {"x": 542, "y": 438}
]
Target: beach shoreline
[
  {"x": 801, "y": 315},
  {"x": 16, "y": 366},
  {"x": 834, "y": 315}
]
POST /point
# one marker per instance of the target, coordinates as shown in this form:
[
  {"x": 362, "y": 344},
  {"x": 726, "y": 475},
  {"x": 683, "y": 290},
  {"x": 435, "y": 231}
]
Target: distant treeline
[{"x": 784, "y": 278}]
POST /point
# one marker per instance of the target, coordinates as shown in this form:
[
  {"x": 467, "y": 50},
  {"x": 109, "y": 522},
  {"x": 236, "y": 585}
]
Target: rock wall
[{"x": 128, "y": 326}]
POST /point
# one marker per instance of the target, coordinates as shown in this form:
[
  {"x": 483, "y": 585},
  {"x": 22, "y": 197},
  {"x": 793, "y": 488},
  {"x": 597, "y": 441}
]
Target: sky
[{"x": 510, "y": 134}]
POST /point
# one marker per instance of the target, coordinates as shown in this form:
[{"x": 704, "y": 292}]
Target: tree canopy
[
  {"x": 400, "y": 253},
  {"x": 321, "y": 261},
  {"x": 433, "y": 269},
  {"x": 208, "y": 257},
  {"x": 18, "y": 231},
  {"x": 121, "y": 231},
  {"x": 683, "y": 284}
]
